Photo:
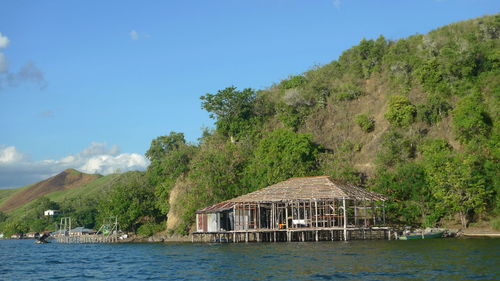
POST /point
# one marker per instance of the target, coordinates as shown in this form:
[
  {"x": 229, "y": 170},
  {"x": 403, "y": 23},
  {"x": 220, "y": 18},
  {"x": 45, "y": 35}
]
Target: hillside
[
  {"x": 68, "y": 179},
  {"x": 73, "y": 193},
  {"x": 74, "y": 198},
  {"x": 415, "y": 118}
]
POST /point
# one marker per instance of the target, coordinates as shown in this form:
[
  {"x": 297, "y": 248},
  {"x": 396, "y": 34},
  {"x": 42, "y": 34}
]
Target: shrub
[
  {"x": 293, "y": 82},
  {"x": 395, "y": 149},
  {"x": 401, "y": 111},
  {"x": 365, "y": 122},
  {"x": 349, "y": 91},
  {"x": 433, "y": 110},
  {"x": 150, "y": 228}
]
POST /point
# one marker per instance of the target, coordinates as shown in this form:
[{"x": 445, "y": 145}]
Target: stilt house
[{"x": 298, "y": 209}]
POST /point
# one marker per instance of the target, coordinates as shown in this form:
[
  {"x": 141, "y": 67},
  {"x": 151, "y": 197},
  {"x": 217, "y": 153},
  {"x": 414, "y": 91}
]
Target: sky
[{"x": 89, "y": 84}]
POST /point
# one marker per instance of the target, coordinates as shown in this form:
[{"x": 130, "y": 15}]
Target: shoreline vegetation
[{"x": 415, "y": 119}]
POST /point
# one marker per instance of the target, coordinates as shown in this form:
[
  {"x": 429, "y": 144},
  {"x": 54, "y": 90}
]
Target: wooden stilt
[
  {"x": 316, "y": 212},
  {"x": 345, "y": 219}
]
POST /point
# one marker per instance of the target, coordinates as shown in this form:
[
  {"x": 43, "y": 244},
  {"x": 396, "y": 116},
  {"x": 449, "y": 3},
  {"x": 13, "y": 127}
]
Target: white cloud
[
  {"x": 4, "y": 41},
  {"x": 134, "y": 35},
  {"x": 9, "y": 154},
  {"x": 337, "y": 3},
  {"x": 97, "y": 148},
  {"x": 3, "y": 63},
  {"x": 16, "y": 169}
]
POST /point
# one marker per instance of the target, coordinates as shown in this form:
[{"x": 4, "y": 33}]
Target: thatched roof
[{"x": 306, "y": 188}]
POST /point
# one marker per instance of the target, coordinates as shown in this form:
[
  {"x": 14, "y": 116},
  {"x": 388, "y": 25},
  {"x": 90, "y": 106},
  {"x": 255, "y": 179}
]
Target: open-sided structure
[{"x": 298, "y": 209}]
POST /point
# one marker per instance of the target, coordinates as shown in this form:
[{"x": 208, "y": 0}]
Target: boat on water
[
  {"x": 43, "y": 239},
  {"x": 423, "y": 235},
  {"x": 41, "y": 242}
]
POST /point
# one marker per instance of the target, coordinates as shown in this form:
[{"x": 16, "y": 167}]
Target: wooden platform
[
  {"x": 88, "y": 239},
  {"x": 492, "y": 235},
  {"x": 294, "y": 234}
]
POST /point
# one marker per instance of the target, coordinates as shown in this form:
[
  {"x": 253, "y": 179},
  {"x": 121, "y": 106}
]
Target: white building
[{"x": 50, "y": 212}]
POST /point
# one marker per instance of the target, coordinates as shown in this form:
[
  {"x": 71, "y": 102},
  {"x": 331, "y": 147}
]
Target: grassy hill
[
  {"x": 89, "y": 191},
  {"x": 68, "y": 179},
  {"x": 74, "y": 193}
]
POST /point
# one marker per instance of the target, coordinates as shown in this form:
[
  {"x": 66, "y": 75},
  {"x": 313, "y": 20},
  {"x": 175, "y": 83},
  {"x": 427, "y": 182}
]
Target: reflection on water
[{"x": 441, "y": 259}]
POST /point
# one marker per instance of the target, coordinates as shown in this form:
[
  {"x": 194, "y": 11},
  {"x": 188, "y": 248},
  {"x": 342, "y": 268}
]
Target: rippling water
[{"x": 438, "y": 259}]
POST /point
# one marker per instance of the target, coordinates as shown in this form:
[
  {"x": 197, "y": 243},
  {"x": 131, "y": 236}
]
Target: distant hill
[{"x": 68, "y": 179}]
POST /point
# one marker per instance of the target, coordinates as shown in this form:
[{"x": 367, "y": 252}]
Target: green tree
[
  {"x": 401, "y": 111},
  {"x": 470, "y": 119},
  {"x": 132, "y": 200},
  {"x": 460, "y": 186},
  {"x": 214, "y": 175},
  {"x": 280, "y": 155},
  {"x": 433, "y": 110},
  {"x": 170, "y": 156},
  {"x": 232, "y": 109},
  {"x": 163, "y": 145},
  {"x": 36, "y": 210},
  {"x": 395, "y": 149},
  {"x": 412, "y": 198}
]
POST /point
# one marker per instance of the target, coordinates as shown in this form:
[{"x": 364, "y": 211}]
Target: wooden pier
[
  {"x": 81, "y": 239},
  {"x": 294, "y": 235},
  {"x": 107, "y": 233}
]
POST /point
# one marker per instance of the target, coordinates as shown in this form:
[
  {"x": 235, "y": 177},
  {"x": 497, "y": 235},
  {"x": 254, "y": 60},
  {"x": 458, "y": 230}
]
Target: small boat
[
  {"x": 42, "y": 239},
  {"x": 41, "y": 242},
  {"x": 415, "y": 236}
]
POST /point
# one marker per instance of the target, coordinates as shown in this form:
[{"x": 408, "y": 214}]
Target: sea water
[{"x": 433, "y": 259}]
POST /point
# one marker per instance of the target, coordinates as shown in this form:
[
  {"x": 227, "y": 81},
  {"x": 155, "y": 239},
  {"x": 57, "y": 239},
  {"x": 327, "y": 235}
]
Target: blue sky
[{"x": 109, "y": 76}]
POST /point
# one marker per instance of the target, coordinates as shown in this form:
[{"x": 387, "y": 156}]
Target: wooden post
[
  {"x": 271, "y": 223},
  {"x": 236, "y": 217},
  {"x": 305, "y": 212},
  {"x": 373, "y": 213},
  {"x": 364, "y": 210},
  {"x": 383, "y": 213},
  {"x": 345, "y": 219},
  {"x": 334, "y": 211},
  {"x": 286, "y": 215},
  {"x": 355, "y": 213},
  {"x": 316, "y": 211},
  {"x": 259, "y": 216}
]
